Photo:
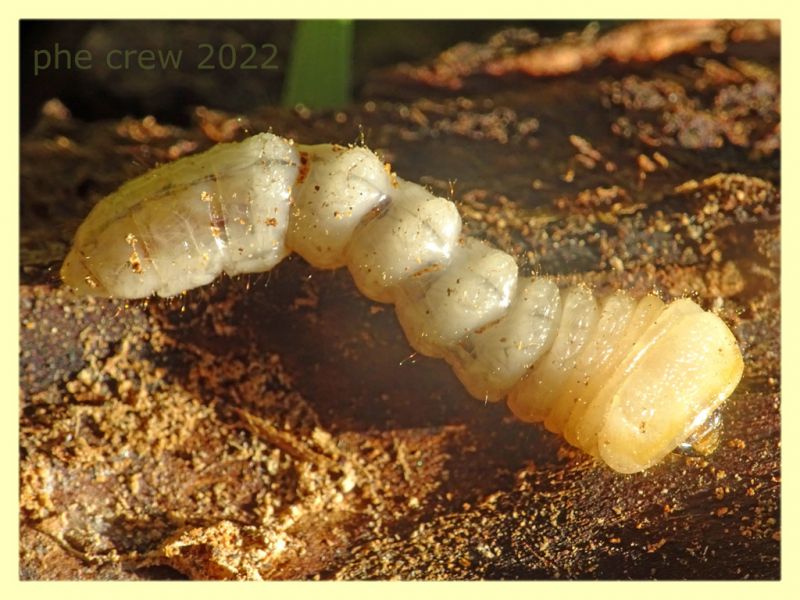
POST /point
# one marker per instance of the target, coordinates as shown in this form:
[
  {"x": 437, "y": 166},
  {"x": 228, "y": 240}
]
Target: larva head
[{"x": 680, "y": 370}]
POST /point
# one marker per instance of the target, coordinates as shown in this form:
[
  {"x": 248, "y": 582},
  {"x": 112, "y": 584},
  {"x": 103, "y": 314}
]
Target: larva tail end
[{"x": 77, "y": 277}]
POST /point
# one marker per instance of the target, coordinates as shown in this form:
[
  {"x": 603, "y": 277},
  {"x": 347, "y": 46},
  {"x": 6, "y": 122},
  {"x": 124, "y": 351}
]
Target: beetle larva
[{"x": 626, "y": 381}]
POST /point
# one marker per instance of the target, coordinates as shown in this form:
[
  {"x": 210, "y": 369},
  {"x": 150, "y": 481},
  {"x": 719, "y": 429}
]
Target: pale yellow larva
[{"x": 627, "y": 381}]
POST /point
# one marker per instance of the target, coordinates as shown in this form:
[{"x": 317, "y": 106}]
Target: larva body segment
[
  {"x": 181, "y": 225},
  {"x": 625, "y": 380},
  {"x": 331, "y": 198},
  {"x": 491, "y": 361},
  {"x": 416, "y": 231},
  {"x": 589, "y": 363},
  {"x": 438, "y": 309},
  {"x": 532, "y": 398},
  {"x": 577, "y": 429}
]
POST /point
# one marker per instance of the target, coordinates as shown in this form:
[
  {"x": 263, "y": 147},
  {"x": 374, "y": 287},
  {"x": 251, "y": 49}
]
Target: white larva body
[{"x": 625, "y": 380}]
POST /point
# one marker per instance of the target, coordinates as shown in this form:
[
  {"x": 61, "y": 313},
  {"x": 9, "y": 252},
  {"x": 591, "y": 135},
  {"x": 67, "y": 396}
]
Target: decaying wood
[{"x": 277, "y": 427}]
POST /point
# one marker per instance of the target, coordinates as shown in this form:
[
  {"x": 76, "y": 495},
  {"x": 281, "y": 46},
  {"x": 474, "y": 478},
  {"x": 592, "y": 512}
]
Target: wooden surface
[{"x": 277, "y": 426}]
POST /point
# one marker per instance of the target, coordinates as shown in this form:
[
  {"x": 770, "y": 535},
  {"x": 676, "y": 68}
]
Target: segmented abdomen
[{"x": 625, "y": 380}]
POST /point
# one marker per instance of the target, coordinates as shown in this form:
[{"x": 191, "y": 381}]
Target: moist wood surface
[{"x": 276, "y": 426}]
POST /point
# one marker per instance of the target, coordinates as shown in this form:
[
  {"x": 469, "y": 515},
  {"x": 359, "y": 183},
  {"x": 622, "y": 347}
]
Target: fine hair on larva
[{"x": 625, "y": 380}]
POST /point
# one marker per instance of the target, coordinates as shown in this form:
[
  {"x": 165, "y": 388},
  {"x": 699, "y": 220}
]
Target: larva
[{"x": 626, "y": 381}]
